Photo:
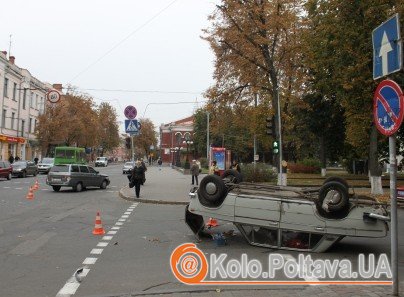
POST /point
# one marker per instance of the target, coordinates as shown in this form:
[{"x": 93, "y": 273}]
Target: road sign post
[{"x": 388, "y": 111}]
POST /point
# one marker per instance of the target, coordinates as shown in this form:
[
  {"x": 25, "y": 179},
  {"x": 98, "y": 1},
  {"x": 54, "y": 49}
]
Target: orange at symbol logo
[{"x": 189, "y": 264}]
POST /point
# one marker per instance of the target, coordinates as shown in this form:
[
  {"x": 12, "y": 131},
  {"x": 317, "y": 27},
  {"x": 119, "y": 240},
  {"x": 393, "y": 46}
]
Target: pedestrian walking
[
  {"x": 214, "y": 169},
  {"x": 17, "y": 158},
  {"x": 144, "y": 170},
  {"x": 194, "y": 172},
  {"x": 159, "y": 162},
  {"x": 137, "y": 177},
  {"x": 11, "y": 159}
]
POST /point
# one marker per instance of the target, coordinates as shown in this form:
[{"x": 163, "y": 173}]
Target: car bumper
[{"x": 43, "y": 170}]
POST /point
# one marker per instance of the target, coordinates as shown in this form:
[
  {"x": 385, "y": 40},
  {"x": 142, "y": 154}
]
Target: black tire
[
  {"x": 103, "y": 184},
  {"x": 338, "y": 206},
  {"x": 35, "y": 173},
  {"x": 232, "y": 175},
  {"x": 78, "y": 187},
  {"x": 212, "y": 191},
  {"x": 337, "y": 179},
  {"x": 9, "y": 176},
  {"x": 24, "y": 174},
  {"x": 56, "y": 188}
]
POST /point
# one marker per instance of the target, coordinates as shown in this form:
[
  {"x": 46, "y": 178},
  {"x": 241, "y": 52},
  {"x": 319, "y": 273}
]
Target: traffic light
[
  {"x": 270, "y": 125},
  {"x": 275, "y": 147},
  {"x": 127, "y": 142}
]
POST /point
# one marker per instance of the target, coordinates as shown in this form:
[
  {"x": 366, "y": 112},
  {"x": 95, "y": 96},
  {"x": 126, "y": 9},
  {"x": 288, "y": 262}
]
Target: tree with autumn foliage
[
  {"x": 146, "y": 138},
  {"x": 76, "y": 121},
  {"x": 256, "y": 46}
]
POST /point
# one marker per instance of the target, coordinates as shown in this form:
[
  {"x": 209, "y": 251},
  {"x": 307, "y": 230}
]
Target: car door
[
  {"x": 85, "y": 175},
  {"x": 3, "y": 170},
  {"x": 94, "y": 177}
]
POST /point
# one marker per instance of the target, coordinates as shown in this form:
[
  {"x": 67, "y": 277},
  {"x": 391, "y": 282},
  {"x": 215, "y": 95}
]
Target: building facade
[
  {"x": 173, "y": 139},
  {"x": 22, "y": 100}
]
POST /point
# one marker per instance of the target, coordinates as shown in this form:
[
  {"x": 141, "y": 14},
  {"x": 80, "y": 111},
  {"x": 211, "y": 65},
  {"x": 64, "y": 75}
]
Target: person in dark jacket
[
  {"x": 137, "y": 177},
  {"x": 144, "y": 170},
  {"x": 11, "y": 159},
  {"x": 194, "y": 172}
]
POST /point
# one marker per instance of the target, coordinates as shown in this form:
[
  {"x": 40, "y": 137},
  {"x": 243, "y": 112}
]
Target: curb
[{"x": 150, "y": 201}]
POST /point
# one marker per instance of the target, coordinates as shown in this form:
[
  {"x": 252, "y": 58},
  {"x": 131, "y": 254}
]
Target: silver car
[
  {"x": 309, "y": 219},
  {"x": 127, "y": 167},
  {"x": 24, "y": 168},
  {"x": 76, "y": 176},
  {"x": 45, "y": 165}
]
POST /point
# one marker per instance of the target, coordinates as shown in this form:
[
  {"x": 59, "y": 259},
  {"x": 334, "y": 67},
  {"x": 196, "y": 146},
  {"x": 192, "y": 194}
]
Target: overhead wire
[{"x": 123, "y": 40}]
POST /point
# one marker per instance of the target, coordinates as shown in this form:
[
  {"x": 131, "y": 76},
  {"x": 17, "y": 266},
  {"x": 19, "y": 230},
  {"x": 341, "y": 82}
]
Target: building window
[
  {"x": 12, "y": 120},
  {"x": 14, "y": 92},
  {"x": 30, "y": 125},
  {"x": 36, "y": 101},
  {"x": 22, "y": 128},
  {"x": 31, "y": 101},
  {"x": 3, "y": 118},
  {"x": 41, "y": 106},
  {"x": 35, "y": 122},
  {"x": 5, "y": 91},
  {"x": 24, "y": 98}
]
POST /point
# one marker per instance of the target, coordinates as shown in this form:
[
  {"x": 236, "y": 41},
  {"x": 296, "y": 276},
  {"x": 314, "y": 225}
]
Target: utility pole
[
  {"x": 207, "y": 139},
  {"x": 255, "y": 135}
]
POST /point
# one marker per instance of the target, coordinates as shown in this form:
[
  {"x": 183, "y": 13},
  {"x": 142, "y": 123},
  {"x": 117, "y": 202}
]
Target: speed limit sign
[{"x": 53, "y": 96}]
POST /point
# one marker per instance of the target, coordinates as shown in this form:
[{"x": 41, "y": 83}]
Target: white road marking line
[
  {"x": 18, "y": 188},
  {"x": 73, "y": 282},
  {"x": 127, "y": 213},
  {"x": 45, "y": 189},
  {"x": 89, "y": 261},
  {"x": 125, "y": 216},
  {"x": 6, "y": 187},
  {"x": 130, "y": 210},
  {"x": 96, "y": 251},
  {"x": 110, "y": 191}
]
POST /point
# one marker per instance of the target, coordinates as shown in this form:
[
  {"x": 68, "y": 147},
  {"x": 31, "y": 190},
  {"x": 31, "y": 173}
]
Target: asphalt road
[{"x": 45, "y": 240}]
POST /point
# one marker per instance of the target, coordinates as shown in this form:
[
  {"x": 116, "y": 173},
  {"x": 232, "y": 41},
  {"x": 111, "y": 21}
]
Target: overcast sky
[{"x": 116, "y": 45}]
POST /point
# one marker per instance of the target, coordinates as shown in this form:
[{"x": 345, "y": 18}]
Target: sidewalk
[{"x": 165, "y": 186}]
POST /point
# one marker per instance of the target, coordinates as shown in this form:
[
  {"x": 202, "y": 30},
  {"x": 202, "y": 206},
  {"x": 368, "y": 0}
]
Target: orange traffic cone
[
  {"x": 98, "y": 230},
  {"x": 36, "y": 186},
  {"x": 212, "y": 223},
  {"x": 30, "y": 194}
]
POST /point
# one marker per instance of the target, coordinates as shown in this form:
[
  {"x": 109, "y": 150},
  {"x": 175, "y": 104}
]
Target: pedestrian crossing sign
[{"x": 131, "y": 126}]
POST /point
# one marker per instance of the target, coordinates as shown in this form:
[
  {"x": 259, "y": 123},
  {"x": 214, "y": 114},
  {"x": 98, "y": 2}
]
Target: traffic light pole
[{"x": 280, "y": 174}]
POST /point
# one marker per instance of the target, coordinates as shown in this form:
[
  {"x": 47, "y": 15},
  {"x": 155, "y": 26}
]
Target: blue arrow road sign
[
  {"x": 131, "y": 126},
  {"x": 387, "y": 49}
]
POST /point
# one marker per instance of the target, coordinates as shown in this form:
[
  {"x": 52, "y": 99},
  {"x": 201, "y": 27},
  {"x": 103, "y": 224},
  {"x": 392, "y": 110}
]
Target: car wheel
[
  {"x": 56, "y": 188},
  {"x": 9, "y": 176},
  {"x": 337, "y": 179},
  {"x": 24, "y": 174},
  {"x": 35, "y": 173},
  {"x": 78, "y": 187},
  {"x": 333, "y": 199},
  {"x": 212, "y": 191},
  {"x": 104, "y": 184},
  {"x": 232, "y": 176}
]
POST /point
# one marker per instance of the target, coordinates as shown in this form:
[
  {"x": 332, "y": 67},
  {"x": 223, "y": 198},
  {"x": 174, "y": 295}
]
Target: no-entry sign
[{"x": 388, "y": 107}]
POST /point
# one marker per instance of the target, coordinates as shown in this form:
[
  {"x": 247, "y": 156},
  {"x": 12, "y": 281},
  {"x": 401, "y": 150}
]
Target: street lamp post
[{"x": 188, "y": 142}]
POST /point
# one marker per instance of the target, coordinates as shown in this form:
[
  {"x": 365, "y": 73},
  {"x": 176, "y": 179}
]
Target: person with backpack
[{"x": 195, "y": 172}]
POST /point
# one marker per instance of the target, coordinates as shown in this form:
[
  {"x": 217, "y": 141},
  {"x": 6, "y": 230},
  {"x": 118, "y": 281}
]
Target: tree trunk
[
  {"x": 374, "y": 168},
  {"x": 322, "y": 156}
]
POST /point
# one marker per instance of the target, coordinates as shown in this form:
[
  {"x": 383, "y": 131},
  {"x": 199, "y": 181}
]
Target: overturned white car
[{"x": 310, "y": 219}]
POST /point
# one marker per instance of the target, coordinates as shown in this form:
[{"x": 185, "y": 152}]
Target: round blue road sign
[
  {"x": 130, "y": 112},
  {"x": 388, "y": 107}
]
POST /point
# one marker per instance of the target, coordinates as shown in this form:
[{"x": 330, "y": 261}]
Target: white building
[{"x": 22, "y": 99}]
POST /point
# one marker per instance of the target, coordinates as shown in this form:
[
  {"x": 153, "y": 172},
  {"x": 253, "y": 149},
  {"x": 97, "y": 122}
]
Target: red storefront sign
[{"x": 12, "y": 139}]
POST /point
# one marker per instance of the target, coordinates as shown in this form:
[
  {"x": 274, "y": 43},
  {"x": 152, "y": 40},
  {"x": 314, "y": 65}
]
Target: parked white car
[
  {"x": 309, "y": 219},
  {"x": 127, "y": 167},
  {"x": 101, "y": 161}
]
